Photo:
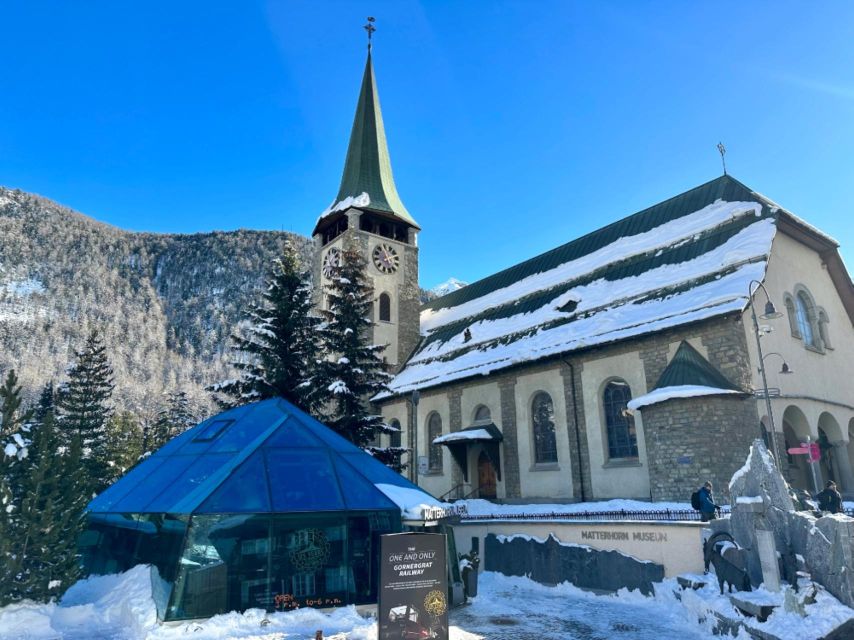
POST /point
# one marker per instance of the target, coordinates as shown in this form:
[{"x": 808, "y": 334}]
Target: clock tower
[{"x": 367, "y": 215}]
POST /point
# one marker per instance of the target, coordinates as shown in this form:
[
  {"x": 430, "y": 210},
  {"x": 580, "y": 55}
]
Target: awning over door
[{"x": 458, "y": 443}]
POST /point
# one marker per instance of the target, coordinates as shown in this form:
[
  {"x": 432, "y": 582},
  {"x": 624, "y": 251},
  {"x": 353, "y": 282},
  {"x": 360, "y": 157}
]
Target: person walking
[
  {"x": 830, "y": 499},
  {"x": 707, "y": 502}
]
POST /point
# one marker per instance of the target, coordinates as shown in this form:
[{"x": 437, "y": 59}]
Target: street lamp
[
  {"x": 415, "y": 397},
  {"x": 770, "y": 313},
  {"x": 785, "y": 369}
]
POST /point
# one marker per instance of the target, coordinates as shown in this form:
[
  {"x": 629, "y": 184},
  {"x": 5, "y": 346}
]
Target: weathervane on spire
[
  {"x": 722, "y": 151},
  {"x": 370, "y": 28}
]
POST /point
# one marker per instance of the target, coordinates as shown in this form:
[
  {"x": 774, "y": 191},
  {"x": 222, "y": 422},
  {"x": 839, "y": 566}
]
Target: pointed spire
[{"x": 367, "y": 169}]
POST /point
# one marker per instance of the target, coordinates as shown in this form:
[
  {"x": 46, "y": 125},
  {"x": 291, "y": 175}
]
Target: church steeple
[{"x": 367, "y": 181}]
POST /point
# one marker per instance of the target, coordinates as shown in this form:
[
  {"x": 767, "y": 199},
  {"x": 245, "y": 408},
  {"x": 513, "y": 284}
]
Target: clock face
[
  {"x": 386, "y": 258},
  {"x": 331, "y": 260}
]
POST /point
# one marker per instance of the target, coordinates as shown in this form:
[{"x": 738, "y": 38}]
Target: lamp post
[
  {"x": 415, "y": 397},
  {"x": 770, "y": 313}
]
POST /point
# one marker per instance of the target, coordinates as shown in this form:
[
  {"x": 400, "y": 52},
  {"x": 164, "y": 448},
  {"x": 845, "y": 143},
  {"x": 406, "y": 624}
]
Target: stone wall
[{"x": 691, "y": 440}]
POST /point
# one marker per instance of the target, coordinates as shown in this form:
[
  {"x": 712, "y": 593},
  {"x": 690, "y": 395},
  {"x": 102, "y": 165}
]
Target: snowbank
[
  {"x": 412, "y": 502},
  {"x": 487, "y": 508}
]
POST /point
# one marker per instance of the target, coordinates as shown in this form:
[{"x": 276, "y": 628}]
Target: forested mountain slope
[{"x": 165, "y": 303}]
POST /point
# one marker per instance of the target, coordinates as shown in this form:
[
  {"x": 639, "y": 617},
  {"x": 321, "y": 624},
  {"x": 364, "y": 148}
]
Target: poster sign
[
  {"x": 413, "y": 597},
  {"x": 423, "y": 465}
]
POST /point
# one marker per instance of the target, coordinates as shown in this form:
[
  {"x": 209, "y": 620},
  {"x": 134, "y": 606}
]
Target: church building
[{"x": 622, "y": 364}]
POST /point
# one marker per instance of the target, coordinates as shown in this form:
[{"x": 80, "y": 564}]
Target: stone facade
[{"x": 692, "y": 440}]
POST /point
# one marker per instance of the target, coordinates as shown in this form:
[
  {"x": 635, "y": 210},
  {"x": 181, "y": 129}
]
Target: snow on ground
[
  {"x": 487, "y": 508},
  {"x": 120, "y": 607}
]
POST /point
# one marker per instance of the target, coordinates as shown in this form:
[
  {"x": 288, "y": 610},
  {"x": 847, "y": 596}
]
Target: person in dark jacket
[
  {"x": 829, "y": 500},
  {"x": 707, "y": 502}
]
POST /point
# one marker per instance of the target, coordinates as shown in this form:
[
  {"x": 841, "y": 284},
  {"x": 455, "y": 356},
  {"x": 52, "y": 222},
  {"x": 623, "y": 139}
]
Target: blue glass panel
[
  {"x": 245, "y": 491},
  {"x": 145, "y": 492},
  {"x": 243, "y": 432},
  {"x": 187, "y": 481},
  {"x": 359, "y": 493},
  {"x": 175, "y": 443},
  {"x": 212, "y": 430},
  {"x": 118, "y": 490},
  {"x": 374, "y": 470},
  {"x": 292, "y": 434},
  {"x": 302, "y": 480},
  {"x": 326, "y": 435},
  {"x": 191, "y": 445}
]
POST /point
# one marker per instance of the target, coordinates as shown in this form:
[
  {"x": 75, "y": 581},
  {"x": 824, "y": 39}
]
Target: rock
[
  {"x": 792, "y": 603},
  {"x": 753, "y": 607},
  {"x": 765, "y": 504}
]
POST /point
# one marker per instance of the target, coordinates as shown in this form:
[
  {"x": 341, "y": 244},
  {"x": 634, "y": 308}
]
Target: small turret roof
[{"x": 367, "y": 181}]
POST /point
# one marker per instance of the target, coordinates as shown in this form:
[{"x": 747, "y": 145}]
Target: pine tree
[
  {"x": 174, "y": 418},
  {"x": 353, "y": 372},
  {"x": 14, "y": 463},
  {"x": 84, "y": 403},
  {"x": 44, "y": 557},
  {"x": 276, "y": 356},
  {"x": 124, "y": 444}
]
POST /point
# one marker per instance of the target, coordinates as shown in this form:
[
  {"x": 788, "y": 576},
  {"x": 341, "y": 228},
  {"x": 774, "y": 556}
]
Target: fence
[{"x": 652, "y": 515}]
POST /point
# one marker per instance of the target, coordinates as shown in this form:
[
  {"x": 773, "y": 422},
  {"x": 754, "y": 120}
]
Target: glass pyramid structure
[{"x": 261, "y": 506}]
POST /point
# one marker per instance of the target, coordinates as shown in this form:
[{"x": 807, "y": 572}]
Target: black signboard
[{"x": 413, "y": 598}]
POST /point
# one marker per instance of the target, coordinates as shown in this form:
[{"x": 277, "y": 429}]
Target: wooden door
[{"x": 485, "y": 477}]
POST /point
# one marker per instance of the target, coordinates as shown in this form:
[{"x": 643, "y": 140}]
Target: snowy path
[{"x": 519, "y": 609}]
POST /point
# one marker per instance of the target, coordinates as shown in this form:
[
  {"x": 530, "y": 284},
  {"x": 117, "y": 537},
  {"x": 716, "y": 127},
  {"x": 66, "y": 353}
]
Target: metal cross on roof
[
  {"x": 370, "y": 28},
  {"x": 722, "y": 151}
]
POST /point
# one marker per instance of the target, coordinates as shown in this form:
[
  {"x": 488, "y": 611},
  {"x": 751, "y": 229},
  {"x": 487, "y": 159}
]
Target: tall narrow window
[
  {"x": 394, "y": 439},
  {"x": 542, "y": 417},
  {"x": 385, "y": 307},
  {"x": 806, "y": 320},
  {"x": 792, "y": 316},
  {"x": 434, "y": 430},
  {"x": 620, "y": 426}
]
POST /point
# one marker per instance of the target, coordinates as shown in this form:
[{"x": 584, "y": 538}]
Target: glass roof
[{"x": 266, "y": 457}]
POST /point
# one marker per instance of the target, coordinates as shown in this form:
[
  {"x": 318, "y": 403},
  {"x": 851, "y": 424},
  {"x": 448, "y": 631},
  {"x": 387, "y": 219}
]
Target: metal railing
[{"x": 651, "y": 515}]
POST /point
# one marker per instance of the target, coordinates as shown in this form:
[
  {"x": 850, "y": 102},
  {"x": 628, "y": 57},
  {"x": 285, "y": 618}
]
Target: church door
[{"x": 485, "y": 477}]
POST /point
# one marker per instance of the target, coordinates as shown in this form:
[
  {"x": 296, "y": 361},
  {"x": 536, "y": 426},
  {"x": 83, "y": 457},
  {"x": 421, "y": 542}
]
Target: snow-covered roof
[
  {"x": 686, "y": 259},
  {"x": 680, "y": 391},
  {"x": 468, "y": 434}
]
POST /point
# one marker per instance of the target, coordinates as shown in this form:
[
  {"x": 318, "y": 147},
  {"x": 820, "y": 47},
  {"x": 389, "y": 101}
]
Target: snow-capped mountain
[
  {"x": 164, "y": 303},
  {"x": 448, "y": 286}
]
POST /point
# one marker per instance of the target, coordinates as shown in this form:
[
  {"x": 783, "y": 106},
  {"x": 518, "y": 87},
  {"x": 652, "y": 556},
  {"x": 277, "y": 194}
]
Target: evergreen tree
[
  {"x": 174, "y": 418},
  {"x": 353, "y": 372},
  {"x": 277, "y": 354},
  {"x": 14, "y": 453},
  {"x": 124, "y": 444},
  {"x": 43, "y": 560},
  {"x": 84, "y": 403}
]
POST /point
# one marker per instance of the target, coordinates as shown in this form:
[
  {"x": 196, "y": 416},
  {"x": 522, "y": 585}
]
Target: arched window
[
  {"x": 482, "y": 414},
  {"x": 620, "y": 426},
  {"x": 806, "y": 319},
  {"x": 385, "y": 307},
  {"x": 543, "y": 420},
  {"x": 434, "y": 430},
  {"x": 822, "y": 329},
  {"x": 394, "y": 437}
]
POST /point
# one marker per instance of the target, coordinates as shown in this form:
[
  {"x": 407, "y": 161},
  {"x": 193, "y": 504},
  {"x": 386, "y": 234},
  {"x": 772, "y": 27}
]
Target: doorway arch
[
  {"x": 795, "y": 431},
  {"x": 487, "y": 485}
]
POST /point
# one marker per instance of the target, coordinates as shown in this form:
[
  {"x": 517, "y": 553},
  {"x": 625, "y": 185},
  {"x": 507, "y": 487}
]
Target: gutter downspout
[{"x": 577, "y": 429}]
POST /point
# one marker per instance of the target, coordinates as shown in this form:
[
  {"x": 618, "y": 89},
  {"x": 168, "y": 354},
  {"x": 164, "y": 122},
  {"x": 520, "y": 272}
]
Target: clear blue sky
[{"x": 513, "y": 126}]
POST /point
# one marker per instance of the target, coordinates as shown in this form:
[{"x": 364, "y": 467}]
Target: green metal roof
[
  {"x": 689, "y": 367},
  {"x": 367, "y": 168},
  {"x": 725, "y": 188}
]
